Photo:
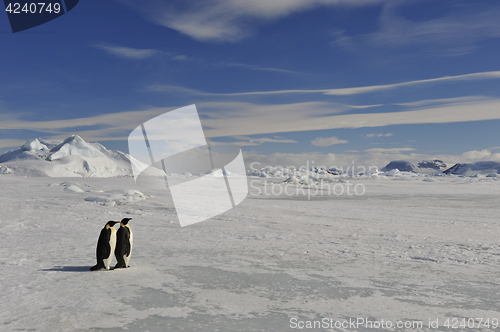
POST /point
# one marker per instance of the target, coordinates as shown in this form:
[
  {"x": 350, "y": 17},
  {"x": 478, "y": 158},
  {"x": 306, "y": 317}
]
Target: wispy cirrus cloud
[
  {"x": 390, "y": 150},
  {"x": 327, "y": 141},
  {"x": 105, "y": 127},
  {"x": 9, "y": 143},
  {"x": 226, "y": 20},
  {"x": 342, "y": 91},
  {"x": 127, "y": 52},
  {"x": 432, "y": 102},
  {"x": 456, "y": 32},
  {"x": 253, "y": 141},
  {"x": 364, "y": 106},
  {"x": 463, "y": 25},
  {"x": 377, "y": 135},
  {"x": 253, "y": 67},
  {"x": 251, "y": 119},
  {"x": 369, "y": 159},
  {"x": 229, "y": 119},
  {"x": 181, "y": 58}
]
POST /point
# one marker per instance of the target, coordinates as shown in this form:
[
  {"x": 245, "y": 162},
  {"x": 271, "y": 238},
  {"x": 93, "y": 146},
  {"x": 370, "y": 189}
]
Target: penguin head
[
  {"x": 125, "y": 221},
  {"x": 111, "y": 223}
]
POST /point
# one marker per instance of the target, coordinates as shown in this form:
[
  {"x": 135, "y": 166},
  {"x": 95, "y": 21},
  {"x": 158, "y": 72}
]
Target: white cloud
[
  {"x": 327, "y": 141},
  {"x": 232, "y": 118},
  {"x": 369, "y": 159},
  {"x": 228, "y": 119},
  {"x": 431, "y": 102},
  {"x": 115, "y": 126},
  {"x": 245, "y": 140},
  {"x": 226, "y": 20},
  {"x": 176, "y": 88},
  {"x": 454, "y": 33},
  {"x": 11, "y": 143},
  {"x": 252, "y": 67},
  {"x": 391, "y": 150},
  {"x": 364, "y": 106},
  {"x": 377, "y": 135},
  {"x": 351, "y": 91},
  {"x": 477, "y": 155},
  {"x": 238, "y": 118},
  {"x": 128, "y": 52},
  {"x": 181, "y": 58},
  {"x": 374, "y": 88},
  {"x": 457, "y": 31}
]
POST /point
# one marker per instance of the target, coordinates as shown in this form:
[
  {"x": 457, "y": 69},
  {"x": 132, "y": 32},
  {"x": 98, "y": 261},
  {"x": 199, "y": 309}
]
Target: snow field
[{"x": 406, "y": 249}]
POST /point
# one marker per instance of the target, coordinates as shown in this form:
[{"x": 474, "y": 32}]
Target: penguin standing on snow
[
  {"x": 105, "y": 247},
  {"x": 124, "y": 241}
]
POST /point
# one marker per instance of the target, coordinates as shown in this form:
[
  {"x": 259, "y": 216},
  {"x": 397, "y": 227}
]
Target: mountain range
[
  {"x": 72, "y": 157},
  {"x": 436, "y": 166},
  {"x": 424, "y": 166}
]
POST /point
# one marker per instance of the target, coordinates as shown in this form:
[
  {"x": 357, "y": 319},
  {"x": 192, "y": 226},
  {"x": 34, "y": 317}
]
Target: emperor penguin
[
  {"x": 105, "y": 247},
  {"x": 124, "y": 241}
]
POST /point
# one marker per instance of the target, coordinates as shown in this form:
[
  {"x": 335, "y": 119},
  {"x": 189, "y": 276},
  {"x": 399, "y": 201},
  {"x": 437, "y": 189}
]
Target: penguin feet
[
  {"x": 120, "y": 266},
  {"x": 97, "y": 268}
]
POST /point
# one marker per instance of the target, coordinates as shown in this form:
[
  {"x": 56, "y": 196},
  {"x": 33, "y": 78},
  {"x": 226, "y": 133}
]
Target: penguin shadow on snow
[{"x": 69, "y": 269}]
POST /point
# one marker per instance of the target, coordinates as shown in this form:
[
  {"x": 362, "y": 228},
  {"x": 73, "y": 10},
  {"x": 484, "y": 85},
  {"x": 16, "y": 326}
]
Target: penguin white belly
[
  {"x": 131, "y": 240},
  {"x": 112, "y": 244}
]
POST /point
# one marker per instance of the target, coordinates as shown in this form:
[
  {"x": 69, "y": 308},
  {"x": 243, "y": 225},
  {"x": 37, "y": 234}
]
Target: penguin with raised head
[
  {"x": 124, "y": 241},
  {"x": 105, "y": 247}
]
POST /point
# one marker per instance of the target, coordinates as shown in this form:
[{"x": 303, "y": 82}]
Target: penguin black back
[
  {"x": 105, "y": 246},
  {"x": 124, "y": 241}
]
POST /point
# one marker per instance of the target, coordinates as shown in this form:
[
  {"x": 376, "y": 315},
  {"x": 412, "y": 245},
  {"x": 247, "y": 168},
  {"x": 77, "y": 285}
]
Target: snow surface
[
  {"x": 117, "y": 197},
  {"x": 4, "y": 170},
  {"x": 73, "y": 188},
  {"x": 406, "y": 249}
]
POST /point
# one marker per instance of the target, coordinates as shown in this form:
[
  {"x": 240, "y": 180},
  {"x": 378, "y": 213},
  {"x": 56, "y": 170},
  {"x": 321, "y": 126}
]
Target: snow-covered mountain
[
  {"x": 72, "y": 157},
  {"x": 434, "y": 164},
  {"x": 480, "y": 167},
  {"x": 423, "y": 166},
  {"x": 401, "y": 165}
]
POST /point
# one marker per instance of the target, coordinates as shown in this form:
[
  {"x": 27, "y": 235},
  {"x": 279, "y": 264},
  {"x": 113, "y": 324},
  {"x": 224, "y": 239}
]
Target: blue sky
[{"x": 335, "y": 81}]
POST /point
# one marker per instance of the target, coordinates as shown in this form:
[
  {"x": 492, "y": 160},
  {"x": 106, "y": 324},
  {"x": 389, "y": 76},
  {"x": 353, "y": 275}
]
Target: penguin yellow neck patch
[
  {"x": 127, "y": 226},
  {"x": 111, "y": 227}
]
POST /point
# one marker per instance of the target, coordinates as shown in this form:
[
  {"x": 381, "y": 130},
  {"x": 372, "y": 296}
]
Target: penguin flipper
[{"x": 127, "y": 245}]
